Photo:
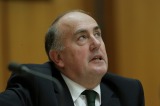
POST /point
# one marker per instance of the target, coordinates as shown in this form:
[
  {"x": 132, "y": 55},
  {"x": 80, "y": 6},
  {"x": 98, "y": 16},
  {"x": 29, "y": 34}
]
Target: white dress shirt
[{"x": 76, "y": 90}]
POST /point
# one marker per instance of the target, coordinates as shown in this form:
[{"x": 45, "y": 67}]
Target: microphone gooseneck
[{"x": 22, "y": 69}]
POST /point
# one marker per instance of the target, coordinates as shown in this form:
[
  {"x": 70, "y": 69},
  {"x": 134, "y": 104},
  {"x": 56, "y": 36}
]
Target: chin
[{"x": 101, "y": 70}]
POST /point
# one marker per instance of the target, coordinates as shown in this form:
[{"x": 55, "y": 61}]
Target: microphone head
[{"x": 14, "y": 67}]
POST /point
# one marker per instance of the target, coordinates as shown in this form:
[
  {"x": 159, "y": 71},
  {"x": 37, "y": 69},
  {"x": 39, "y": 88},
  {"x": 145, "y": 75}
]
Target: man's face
[{"x": 84, "y": 53}]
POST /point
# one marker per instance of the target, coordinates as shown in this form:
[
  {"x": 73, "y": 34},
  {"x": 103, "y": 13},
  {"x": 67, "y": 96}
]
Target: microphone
[{"x": 22, "y": 69}]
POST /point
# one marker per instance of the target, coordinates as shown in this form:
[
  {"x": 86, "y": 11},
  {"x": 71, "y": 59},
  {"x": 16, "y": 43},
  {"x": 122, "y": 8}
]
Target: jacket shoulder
[
  {"x": 128, "y": 89},
  {"x": 122, "y": 82}
]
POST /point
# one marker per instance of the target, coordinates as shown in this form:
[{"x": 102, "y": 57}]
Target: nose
[{"x": 95, "y": 43}]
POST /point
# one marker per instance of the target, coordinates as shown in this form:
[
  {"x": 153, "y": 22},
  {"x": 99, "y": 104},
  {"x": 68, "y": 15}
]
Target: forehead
[{"x": 75, "y": 20}]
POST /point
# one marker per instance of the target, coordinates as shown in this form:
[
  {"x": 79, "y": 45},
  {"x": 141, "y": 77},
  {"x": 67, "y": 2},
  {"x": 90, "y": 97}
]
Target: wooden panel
[
  {"x": 137, "y": 44},
  {"x": 28, "y": 27},
  {"x": 4, "y": 45},
  {"x": 1, "y": 74}
]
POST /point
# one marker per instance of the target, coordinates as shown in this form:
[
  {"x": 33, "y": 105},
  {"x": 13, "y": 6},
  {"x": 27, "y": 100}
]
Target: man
[{"x": 78, "y": 60}]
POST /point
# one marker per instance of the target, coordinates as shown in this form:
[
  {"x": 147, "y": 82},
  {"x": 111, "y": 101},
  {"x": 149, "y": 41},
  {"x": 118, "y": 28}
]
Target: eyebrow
[
  {"x": 84, "y": 30},
  {"x": 97, "y": 28}
]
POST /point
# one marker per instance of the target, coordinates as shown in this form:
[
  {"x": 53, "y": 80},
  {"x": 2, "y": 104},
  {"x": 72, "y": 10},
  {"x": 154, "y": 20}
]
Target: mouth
[{"x": 97, "y": 57}]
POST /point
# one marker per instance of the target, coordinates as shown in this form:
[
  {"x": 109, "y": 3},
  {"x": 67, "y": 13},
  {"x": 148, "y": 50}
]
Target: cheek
[
  {"x": 80, "y": 60},
  {"x": 80, "y": 57},
  {"x": 73, "y": 55},
  {"x": 75, "y": 60},
  {"x": 81, "y": 54}
]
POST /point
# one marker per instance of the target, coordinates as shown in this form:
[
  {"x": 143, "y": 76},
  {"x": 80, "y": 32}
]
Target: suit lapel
[
  {"x": 66, "y": 97},
  {"x": 108, "y": 97}
]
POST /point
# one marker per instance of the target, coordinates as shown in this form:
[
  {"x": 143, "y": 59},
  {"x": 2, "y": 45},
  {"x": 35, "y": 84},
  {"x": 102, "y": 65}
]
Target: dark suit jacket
[{"x": 29, "y": 90}]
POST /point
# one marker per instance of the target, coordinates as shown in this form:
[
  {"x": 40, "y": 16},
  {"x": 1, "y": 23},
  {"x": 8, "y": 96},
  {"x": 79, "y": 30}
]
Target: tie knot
[{"x": 91, "y": 96}]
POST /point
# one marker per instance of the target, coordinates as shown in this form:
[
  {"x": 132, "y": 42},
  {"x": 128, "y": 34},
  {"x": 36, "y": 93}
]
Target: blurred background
[{"x": 131, "y": 32}]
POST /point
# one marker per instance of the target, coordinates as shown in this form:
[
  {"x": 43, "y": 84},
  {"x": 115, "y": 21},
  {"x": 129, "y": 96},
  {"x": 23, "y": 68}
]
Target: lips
[{"x": 96, "y": 57}]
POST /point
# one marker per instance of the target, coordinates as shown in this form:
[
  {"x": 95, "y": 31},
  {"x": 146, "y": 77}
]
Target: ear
[{"x": 56, "y": 58}]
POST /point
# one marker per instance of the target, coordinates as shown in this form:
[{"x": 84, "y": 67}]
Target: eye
[
  {"x": 82, "y": 37},
  {"x": 97, "y": 34}
]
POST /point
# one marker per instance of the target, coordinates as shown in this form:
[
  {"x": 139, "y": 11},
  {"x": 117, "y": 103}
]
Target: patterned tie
[{"x": 91, "y": 96}]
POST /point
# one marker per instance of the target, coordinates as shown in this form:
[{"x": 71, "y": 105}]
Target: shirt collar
[{"x": 76, "y": 89}]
